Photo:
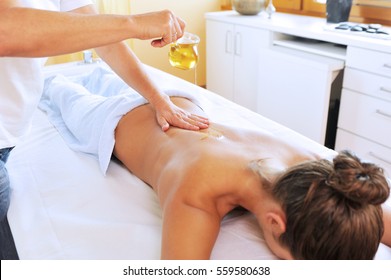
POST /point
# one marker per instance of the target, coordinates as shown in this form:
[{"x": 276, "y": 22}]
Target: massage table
[{"x": 64, "y": 208}]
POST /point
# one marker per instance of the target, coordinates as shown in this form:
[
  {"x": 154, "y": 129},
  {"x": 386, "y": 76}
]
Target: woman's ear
[{"x": 276, "y": 222}]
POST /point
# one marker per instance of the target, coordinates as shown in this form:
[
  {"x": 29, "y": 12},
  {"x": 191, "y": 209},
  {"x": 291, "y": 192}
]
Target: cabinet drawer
[
  {"x": 366, "y": 116},
  {"x": 367, "y": 83},
  {"x": 371, "y": 61},
  {"x": 364, "y": 149}
]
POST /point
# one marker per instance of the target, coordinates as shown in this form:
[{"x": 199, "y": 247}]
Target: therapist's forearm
[
  {"x": 37, "y": 33},
  {"x": 126, "y": 64}
]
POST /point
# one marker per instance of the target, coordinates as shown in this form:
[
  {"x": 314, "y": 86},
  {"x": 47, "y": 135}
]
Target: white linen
[{"x": 63, "y": 207}]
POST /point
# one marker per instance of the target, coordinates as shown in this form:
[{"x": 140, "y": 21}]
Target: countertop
[{"x": 303, "y": 26}]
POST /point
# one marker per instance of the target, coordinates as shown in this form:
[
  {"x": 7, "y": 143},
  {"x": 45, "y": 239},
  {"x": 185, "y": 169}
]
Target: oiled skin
[{"x": 199, "y": 176}]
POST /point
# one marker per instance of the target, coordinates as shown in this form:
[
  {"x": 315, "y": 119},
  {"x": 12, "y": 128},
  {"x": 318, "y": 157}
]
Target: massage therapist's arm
[
  {"x": 126, "y": 64},
  {"x": 26, "y": 32}
]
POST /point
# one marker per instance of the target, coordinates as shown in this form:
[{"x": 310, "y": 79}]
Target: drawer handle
[
  {"x": 379, "y": 157},
  {"x": 380, "y": 112},
  {"x": 385, "y": 89}
]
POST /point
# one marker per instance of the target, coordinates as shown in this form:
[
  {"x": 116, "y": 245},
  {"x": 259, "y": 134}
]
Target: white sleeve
[{"x": 69, "y": 5}]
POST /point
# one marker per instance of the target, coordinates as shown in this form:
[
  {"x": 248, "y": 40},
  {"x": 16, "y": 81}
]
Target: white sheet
[{"x": 62, "y": 206}]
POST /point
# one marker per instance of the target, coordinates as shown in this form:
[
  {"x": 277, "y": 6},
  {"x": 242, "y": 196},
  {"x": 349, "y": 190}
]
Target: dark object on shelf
[{"x": 338, "y": 10}]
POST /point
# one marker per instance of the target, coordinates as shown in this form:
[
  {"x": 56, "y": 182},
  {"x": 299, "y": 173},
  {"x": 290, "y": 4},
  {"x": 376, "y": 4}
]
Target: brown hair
[{"x": 333, "y": 208}]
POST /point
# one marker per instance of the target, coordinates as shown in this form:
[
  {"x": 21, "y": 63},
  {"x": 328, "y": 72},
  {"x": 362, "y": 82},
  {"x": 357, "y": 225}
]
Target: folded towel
[{"x": 86, "y": 109}]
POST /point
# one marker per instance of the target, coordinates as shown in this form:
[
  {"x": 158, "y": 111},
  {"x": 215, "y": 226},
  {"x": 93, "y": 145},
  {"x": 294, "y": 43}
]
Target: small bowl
[{"x": 248, "y": 7}]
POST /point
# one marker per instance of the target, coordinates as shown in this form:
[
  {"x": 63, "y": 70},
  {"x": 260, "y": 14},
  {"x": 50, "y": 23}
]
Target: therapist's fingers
[
  {"x": 192, "y": 122},
  {"x": 199, "y": 121},
  {"x": 177, "y": 122},
  {"x": 173, "y": 33},
  {"x": 183, "y": 120},
  {"x": 180, "y": 25},
  {"x": 165, "y": 40},
  {"x": 164, "y": 124},
  {"x": 168, "y": 114}
]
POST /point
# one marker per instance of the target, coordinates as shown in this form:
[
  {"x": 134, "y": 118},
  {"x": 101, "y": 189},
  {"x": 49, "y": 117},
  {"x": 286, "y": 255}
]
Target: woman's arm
[
  {"x": 189, "y": 233},
  {"x": 386, "y": 239}
]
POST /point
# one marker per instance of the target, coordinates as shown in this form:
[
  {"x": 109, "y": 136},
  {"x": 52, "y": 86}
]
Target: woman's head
[{"x": 332, "y": 208}]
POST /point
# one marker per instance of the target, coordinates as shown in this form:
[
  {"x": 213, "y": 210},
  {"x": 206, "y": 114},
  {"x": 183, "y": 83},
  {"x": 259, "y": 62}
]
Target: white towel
[{"x": 86, "y": 110}]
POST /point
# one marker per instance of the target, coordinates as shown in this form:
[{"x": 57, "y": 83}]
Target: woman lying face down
[{"x": 307, "y": 207}]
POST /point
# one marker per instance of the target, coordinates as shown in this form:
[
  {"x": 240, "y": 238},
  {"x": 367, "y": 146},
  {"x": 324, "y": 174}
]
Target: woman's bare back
[
  {"x": 206, "y": 170},
  {"x": 154, "y": 155}
]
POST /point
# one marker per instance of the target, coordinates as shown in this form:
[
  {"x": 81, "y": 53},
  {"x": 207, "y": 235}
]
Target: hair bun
[{"x": 358, "y": 181}]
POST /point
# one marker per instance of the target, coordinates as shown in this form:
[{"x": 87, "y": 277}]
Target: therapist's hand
[
  {"x": 163, "y": 26},
  {"x": 167, "y": 114}
]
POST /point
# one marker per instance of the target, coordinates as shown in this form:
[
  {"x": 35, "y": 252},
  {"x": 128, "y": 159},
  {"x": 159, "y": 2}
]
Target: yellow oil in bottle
[{"x": 183, "y": 55}]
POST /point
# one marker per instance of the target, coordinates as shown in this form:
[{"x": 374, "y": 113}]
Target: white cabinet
[
  {"x": 296, "y": 90},
  {"x": 364, "y": 124},
  {"x": 232, "y": 54}
]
